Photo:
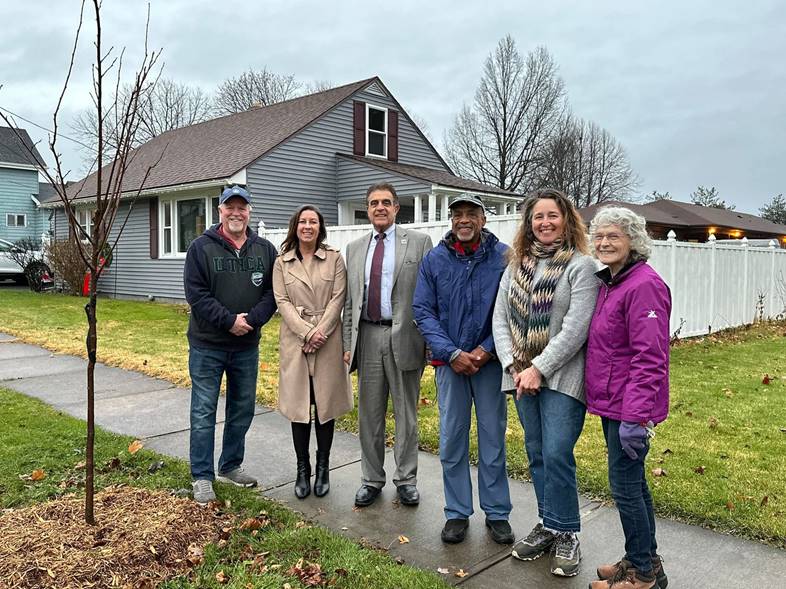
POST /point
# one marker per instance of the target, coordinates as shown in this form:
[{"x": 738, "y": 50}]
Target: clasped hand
[
  {"x": 316, "y": 341},
  {"x": 240, "y": 326},
  {"x": 527, "y": 382},
  {"x": 470, "y": 362}
]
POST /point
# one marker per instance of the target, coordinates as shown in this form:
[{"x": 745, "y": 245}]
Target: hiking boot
[
  {"x": 626, "y": 577},
  {"x": 534, "y": 545},
  {"x": 203, "y": 491},
  {"x": 565, "y": 555},
  {"x": 607, "y": 571},
  {"x": 237, "y": 477},
  {"x": 500, "y": 531},
  {"x": 455, "y": 530}
]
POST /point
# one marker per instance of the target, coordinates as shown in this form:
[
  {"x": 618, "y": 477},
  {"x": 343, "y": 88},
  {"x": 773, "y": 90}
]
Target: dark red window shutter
[
  {"x": 393, "y": 135},
  {"x": 154, "y": 228},
  {"x": 359, "y": 147}
]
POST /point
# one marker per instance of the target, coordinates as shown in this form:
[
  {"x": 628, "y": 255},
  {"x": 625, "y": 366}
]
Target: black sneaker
[
  {"x": 565, "y": 555},
  {"x": 500, "y": 531},
  {"x": 455, "y": 530},
  {"x": 534, "y": 545}
]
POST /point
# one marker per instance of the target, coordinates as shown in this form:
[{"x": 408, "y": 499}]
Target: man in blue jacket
[
  {"x": 453, "y": 304},
  {"x": 228, "y": 279}
]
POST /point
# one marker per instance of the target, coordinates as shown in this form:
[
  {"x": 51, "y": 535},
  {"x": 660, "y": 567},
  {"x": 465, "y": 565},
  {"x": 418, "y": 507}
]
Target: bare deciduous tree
[
  {"x": 518, "y": 105},
  {"x": 164, "y": 106},
  {"x": 708, "y": 197},
  {"x": 318, "y": 86},
  {"x": 123, "y": 120},
  {"x": 587, "y": 163},
  {"x": 254, "y": 88},
  {"x": 655, "y": 195}
]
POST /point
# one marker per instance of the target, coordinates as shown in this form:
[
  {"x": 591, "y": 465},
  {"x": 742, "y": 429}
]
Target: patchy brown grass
[{"x": 144, "y": 537}]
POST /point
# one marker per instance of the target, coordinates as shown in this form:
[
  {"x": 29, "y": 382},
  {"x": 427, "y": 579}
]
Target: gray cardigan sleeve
[
  {"x": 500, "y": 323},
  {"x": 575, "y": 324}
]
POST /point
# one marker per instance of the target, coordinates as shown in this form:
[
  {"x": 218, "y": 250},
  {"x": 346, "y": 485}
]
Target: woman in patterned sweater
[{"x": 541, "y": 318}]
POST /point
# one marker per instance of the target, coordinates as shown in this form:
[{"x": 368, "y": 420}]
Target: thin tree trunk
[{"x": 92, "y": 341}]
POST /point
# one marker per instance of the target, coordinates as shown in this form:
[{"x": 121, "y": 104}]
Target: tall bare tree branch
[{"x": 254, "y": 88}]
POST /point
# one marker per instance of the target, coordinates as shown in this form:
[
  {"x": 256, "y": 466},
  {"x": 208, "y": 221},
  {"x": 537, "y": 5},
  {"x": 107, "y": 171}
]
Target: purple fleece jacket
[{"x": 627, "y": 362}]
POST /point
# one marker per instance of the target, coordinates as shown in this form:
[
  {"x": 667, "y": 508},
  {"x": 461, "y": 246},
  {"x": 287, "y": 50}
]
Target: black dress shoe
[
  {"x": 408, "y": 494},
  {"x": 500, "y": 531},
  {"x": 322, "y": 480},
  {"x": 366, "y": 495},
  {"x": 303, "y": 480},
  {"x": 455, "y": 530}
]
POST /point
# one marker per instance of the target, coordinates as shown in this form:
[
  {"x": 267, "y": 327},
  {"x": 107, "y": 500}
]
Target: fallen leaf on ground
[
  {"x": 659, "y": 472},
  {"x": 403, "y": 540},
  {"x": 425, "y": 401},
  {"x": 729, "y": 505},
  {"x": 222, "y": 577},
  {"x": 461, "y": 573},
  {"x": 699, "y": 470},
  {"x": 766, "y": 380},
  {"x": 442, "y": 571},
  {"x": 38, "y": 475},
  {"x": 712, "y": 422},
  {"x": 764, "y": 501},
  {"x": 135, "y": 447},
  {"x": 79, "y": 465}
]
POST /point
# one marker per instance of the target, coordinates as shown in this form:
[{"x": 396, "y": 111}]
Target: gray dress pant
[{"x": 379, "y": 376}]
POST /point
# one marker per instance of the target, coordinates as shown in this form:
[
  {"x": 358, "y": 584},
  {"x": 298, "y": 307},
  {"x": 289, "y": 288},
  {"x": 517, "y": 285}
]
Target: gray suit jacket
[{"x": 408, "y": 346}]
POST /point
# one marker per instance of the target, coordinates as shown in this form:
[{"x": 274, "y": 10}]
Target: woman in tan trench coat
[{"x": 309, "y": 283}]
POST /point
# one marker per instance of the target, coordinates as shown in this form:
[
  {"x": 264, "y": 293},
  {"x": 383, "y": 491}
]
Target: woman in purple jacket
[{"x": 627, "y": 384}]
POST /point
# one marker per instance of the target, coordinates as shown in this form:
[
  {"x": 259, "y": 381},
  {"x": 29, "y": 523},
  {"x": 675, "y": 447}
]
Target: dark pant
[
  {"x": 632, "y": 496},
  {"x": 206, "y": 368},
  {"x": 552, "y": 424},
  {"x": 301, "y": 432}
]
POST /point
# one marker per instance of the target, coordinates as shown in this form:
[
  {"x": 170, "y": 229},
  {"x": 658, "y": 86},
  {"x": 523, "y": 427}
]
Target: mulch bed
[{"x": 142, "y": 538}]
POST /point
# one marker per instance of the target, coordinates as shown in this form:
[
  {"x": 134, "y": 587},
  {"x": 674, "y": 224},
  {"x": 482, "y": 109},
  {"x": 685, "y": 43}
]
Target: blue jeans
[
  {"x": 552, "y": 423},
  {"x": 206, "y": 368},
  {"x": 632, "y": 496},
  {"x": 457, "y": 392}
]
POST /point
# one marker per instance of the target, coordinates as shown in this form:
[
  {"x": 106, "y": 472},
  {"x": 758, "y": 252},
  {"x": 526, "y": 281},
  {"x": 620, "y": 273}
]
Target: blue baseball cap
[{"x": 234, "y": 191}]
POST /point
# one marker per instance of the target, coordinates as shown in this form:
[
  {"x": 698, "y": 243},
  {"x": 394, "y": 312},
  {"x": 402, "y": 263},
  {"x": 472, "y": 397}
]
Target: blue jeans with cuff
[
  {"x": 632, "y": 496},
  {"x": 206, "y": 368},
  {"x": 552, "y": 423}
]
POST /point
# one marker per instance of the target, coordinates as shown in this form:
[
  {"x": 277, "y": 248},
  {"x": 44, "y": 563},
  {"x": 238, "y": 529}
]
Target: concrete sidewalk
[{"x": 157, "y": 411}]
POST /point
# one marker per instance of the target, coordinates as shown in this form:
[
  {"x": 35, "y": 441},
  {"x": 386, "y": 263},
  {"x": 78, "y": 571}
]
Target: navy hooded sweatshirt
[{"x": 220, "y": 283}]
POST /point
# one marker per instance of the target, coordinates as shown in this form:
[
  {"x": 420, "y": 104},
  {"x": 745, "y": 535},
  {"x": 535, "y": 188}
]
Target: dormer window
[{"x": 376, "y": 131}]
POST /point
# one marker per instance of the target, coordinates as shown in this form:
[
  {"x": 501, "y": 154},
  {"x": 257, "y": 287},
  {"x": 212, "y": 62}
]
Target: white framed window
[
  {"x": 182, "y": 220},
  {"x": 15, "y": 220},
  {"x": 376, "y": 131},
  {"x": 85, "y": 219}
]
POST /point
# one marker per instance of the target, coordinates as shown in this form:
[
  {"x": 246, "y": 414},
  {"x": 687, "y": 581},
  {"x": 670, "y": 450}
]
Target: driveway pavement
[{"x": 156, "y": 411}]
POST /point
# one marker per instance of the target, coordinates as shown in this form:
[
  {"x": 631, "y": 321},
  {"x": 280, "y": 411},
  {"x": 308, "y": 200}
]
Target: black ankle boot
[
  {"x": 303, "y": 481},
  {"x": 322, "y": 481}
]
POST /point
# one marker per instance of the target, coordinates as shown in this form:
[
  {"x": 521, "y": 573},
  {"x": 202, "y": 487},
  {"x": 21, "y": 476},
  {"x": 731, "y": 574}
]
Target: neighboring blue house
[
  {"x": 325, "y": 148},
  {"x": 20, "y": 216}
]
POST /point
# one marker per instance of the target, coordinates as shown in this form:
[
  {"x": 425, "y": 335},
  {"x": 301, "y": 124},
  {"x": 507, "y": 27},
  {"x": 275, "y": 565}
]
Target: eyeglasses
[{"x": 612, "y": 238}]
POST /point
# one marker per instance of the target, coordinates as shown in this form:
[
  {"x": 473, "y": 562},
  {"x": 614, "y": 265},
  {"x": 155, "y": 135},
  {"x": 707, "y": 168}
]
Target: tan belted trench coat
[{"x": 309, "y": 300}]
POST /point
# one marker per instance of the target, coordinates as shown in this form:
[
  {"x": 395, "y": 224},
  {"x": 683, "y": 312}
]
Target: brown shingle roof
[
  {"x": 221, "y": 147},
  {"x": 431, "y": 175}
]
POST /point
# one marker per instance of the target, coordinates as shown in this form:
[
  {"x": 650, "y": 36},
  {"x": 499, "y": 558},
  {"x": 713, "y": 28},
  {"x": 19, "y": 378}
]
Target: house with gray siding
[
  {"x": 324, "y": 148},
  {"x": 20, "y": 215}
]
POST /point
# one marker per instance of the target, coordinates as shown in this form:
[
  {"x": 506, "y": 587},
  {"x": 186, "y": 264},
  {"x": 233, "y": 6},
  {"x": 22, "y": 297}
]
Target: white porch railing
[{"x": 713, "y": 286}]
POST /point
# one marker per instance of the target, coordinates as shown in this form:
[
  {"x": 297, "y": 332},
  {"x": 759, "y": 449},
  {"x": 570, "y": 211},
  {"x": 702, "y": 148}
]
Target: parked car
[{"x": 36, "y": 267}]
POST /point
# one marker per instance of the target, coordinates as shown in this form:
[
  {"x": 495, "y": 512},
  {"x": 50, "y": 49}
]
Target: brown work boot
[
  {"x": 625, "y": 577},
  {"x": 607, "y": 571}
]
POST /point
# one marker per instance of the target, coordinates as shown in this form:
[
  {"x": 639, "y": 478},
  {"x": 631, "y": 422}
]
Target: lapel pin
[{"x": 403, "y": 242}]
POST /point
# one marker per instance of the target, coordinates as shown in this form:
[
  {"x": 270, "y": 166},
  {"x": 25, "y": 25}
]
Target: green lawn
[
  {"x": 723, "y": 447},
  {"x": 35, "y": 436}
]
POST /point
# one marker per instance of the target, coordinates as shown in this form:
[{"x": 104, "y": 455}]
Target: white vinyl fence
[{"x": 712, "y": 286}]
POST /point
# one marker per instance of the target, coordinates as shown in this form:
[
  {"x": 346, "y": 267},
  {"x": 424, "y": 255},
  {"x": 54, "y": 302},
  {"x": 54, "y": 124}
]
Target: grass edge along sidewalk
[
  {"x": 720, "y": 454},
  {"x": 36, "y": 437}
]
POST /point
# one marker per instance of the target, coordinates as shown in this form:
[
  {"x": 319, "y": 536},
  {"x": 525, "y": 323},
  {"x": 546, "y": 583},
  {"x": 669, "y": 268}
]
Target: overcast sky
[{"x": 693, "y": 90}]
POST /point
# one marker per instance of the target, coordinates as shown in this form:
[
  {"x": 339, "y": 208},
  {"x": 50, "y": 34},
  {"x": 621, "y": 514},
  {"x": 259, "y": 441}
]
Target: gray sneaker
[
  {"x": 534, "y": 545},
  {"x": 565, "y": 555},
  {"x": 203, "y": 491},
  {"x": 237, "y": 477}
]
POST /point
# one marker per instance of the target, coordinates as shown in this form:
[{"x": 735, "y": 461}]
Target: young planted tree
[{"x": 104, "y": 188}]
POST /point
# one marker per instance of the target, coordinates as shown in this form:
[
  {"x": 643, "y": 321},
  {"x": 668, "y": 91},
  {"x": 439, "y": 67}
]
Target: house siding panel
[
  {"x": 355, "y": 178},
  {"x": 16, "y": 190}
]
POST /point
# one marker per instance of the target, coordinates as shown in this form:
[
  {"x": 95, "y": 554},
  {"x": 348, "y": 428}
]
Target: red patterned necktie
[{"x": 374, "y": 308}]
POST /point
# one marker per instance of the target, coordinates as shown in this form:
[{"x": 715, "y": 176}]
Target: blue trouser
[
  {"x": 632, "y": 496},
  {"x": 456, "y": 395},
  {"x": 552, "y": 423},
  {"x": 206, "y": 368}
]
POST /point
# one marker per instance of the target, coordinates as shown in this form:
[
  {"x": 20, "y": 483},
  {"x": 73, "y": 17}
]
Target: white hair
[{"x": 633, "y": 225}]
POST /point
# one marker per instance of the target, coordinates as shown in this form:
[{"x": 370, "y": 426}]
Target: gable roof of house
[
  {"x": 430, "y": 175},
  {"x": 674, "y": 213},
  {"x": 16, "y": 148},
  {"x": 220, "y": 147}
]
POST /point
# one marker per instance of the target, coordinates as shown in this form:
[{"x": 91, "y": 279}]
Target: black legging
[{"x": 301, "y": 432}]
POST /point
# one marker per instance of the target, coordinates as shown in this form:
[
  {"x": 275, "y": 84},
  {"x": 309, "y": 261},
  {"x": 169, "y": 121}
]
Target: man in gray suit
[{"x": 383, "y": 343}]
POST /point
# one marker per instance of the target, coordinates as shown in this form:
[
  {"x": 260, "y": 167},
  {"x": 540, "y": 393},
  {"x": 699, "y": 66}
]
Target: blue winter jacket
[{"x": 455, "y": 295}]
